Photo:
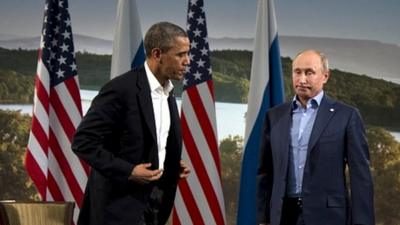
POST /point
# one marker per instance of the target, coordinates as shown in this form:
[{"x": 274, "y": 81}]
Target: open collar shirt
[{"x": 159, "y": 97}]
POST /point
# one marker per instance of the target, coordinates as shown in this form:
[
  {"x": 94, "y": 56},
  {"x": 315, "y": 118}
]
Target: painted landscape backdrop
[{"x": 365, "y": 74}]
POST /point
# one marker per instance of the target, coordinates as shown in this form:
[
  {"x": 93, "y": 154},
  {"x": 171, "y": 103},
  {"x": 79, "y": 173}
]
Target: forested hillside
[{"x": 378, "y": 100}]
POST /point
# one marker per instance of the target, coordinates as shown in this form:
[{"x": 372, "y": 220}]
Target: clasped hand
[{"x": 142, "y": 173}]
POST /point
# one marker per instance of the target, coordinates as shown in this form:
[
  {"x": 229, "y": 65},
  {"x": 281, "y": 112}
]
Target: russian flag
[
  {"x": 128, "y": 50},
  {"x": 266, "y": 91}
]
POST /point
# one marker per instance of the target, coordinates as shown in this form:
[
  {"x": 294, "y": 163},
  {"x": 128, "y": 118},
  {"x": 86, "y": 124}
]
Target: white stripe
[
  {"x": 76, "y": 78},
  {"x": 209, "y": 105},
  {"x": 41, "y": 115},
  {"x": 43, "y": 75},
  {"x": 127, "y": 37},
  {"x": 181, "y": 210},
  {"x": 65, "y": 145},
  {"x": 197, "y": 191},
  {"x": 76, "y": 213},
  {"x": 69, "y": 105},
  {"x": 58, "y": 176},
  {"x": 260, "y": 62},
  {"x": 49, "y": 197},
  {"x": 38, "y": 153},
  {"x": 203, "y": 148}
]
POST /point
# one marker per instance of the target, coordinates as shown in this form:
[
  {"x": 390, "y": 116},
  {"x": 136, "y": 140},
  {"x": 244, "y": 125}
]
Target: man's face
[
  {"x": 308, "y": 75},
  {"x": 173, "y": 62}
]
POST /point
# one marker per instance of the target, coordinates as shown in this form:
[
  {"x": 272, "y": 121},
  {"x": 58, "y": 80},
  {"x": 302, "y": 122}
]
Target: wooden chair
[{"x": 36, "y": 213}]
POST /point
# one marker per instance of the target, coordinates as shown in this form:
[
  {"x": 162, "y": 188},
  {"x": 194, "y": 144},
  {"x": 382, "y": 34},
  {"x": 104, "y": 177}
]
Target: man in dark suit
[
  {"x": 131, "y": 137},
  {"x": 307, "y": 146}
]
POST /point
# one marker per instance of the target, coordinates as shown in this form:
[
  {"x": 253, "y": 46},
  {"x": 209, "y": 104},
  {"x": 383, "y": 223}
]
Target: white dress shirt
[{"x": 159, "y": 97}]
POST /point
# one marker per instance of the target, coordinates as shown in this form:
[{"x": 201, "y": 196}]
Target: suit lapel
[
  {"x": 174, "y": 115},
  {"x": 145, "y": 102},
  {"x": 325, "y": 112},
  {"x": 283, "y": 128}
]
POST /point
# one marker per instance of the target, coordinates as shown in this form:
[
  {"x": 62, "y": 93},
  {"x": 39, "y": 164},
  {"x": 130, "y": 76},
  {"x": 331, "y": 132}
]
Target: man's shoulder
[
  {"x": 130, "y": 75},
  {"x": 340, "y": 104},
  {"x": 281, "y": 107}
]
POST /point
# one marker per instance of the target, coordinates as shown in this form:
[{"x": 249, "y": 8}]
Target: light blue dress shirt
[{"x": 300, "y": 131}]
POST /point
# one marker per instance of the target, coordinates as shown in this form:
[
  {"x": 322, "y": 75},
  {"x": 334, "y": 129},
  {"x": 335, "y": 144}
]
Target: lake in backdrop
[{"x": 230, "y": 116}]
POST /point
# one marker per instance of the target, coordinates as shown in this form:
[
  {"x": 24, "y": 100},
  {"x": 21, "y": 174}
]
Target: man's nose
[
  {"x": 302, "y": 78},
  {"x": 186, "y": 61}
]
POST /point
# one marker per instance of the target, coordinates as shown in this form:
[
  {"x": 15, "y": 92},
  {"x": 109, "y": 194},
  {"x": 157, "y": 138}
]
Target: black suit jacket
[
  {"x": 337, "y": 141},
  {"x": 117, "y": 133}
]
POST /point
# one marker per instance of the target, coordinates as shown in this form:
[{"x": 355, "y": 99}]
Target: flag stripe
[
  {"x": 201, "y": 201},
  {"x": 183, "y": 213},
  {"x": 40, "y": 138},
  {"x": 41, "y": 93},
  {"x": 189, "y": 201},
  {"x": 175, "y": 216},
  {"x": 204, "y": 122},
  {"x": 35, "y": 172},
  {"x": 72, "y": 86},
  {"x": 54, "y": 189},
  {"x": 55, "y": 170},
  {"x": 59, "y": 111},
  {"x": 64, "y": 145},
  {"x": 65, "y": 168},
  {"x": 266, "y": 91},
  {"x": 202, "y": 191},
  {"x": 128, "y": 50},
  {"x": 201, "y": 172},
  {"x": 199, "y": 139},
  {"x": 208, "y": 101}
]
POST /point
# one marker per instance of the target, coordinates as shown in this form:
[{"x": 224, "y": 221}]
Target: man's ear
[
  {"x": 156, "y": 53},
  {"x": 327, "y": 74}
]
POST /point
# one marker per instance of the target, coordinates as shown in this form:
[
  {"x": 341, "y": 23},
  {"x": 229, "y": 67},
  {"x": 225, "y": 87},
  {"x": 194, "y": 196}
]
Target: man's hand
[
  {"x": 142, "y": 175},
  {"x": 185, "y": 170}
]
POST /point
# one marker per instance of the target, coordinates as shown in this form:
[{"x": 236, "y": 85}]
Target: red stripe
[
  {"x": 85, "y": 166},
  {"x": 190, "y": 202},
  {"x": 73, "y": 89},
  {"x": 205, "y": 124},
  {"x": 175, "y": 217},
  {"x": 40, "y": 135},
  {"x": 62, "y": 114},
  {"x": 65, "y": 167},
  {"x": 210, "y": 85},
  {"x": 201, "y": 171},
  {"x": 36, "y": 174},
  {"x": 41, "y": 93},
  {"x": 54, "y": 189}
]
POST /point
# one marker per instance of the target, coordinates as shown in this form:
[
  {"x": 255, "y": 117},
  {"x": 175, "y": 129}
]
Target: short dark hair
[{"x": 162, "y": 35}]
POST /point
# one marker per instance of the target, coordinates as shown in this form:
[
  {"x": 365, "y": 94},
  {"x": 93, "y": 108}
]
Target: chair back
[{"x": 36, "y": 213}]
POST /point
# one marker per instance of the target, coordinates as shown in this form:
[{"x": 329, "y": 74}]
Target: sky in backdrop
[{"x": 354, "y": 19}]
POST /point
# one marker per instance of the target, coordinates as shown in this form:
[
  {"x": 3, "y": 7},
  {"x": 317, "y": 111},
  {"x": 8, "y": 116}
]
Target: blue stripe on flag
[
  {"x": 140, "y": 57},
  {"x": 273, "y": 95}
]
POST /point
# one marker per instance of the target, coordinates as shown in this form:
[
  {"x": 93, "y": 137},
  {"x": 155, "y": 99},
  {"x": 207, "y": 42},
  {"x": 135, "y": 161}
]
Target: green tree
[
  {"x": 231, "y": 149},
  {"x": 385, "y": 163},
  {"x": 14, "y": 132}
]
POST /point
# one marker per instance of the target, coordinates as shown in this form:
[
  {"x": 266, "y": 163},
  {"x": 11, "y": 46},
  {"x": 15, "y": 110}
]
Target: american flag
[
  {"x": 57, "y": 172},
  {"x": 199, "y": 198}
]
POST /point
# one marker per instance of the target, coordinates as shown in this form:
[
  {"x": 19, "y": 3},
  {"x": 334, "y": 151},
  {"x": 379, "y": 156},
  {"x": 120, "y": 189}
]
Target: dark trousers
[
  {"x": 292, "y": 212},
  {"x": 150, "y": 215}
]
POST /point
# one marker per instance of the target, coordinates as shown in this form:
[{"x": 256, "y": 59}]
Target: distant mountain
[
  {"x": 4, "y": 36},
  {"x": 372, "y": 58},
  {"x": 82, "y": 43}
]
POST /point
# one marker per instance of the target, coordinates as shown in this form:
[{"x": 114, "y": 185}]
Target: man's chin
[{"x": 179, "y": 76}]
